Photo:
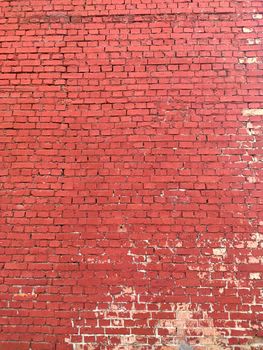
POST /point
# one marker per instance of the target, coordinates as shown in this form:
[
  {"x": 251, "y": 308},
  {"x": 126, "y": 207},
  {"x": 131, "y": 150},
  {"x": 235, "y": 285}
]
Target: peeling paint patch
[
  {"x": 25, "y": 296},
  {"x": 184, "y": 327},
  {"x": 187, "y": 330},
  {"x": 252, "y": 112},
  {"x": 219, "y": 251},
  {"x": 126, "y": 342},
  {"x": 249, "y": 60},
  {"x": 82, "y": 347},
  {"x": 251, "y": 179},
  {"x": 253, "y": 41},
  {"x": 252, "y": 244},
  {"x": 254, "y": 276},
  {"x": 253, "y": 130},
  {"x": 169, "y": 325},
  {"x": 257, "y": 16},
  {"x": 247, "y": 30}
]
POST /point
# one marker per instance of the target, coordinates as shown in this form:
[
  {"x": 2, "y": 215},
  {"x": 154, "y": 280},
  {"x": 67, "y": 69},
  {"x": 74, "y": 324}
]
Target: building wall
[{"x": 130, "y": 150}]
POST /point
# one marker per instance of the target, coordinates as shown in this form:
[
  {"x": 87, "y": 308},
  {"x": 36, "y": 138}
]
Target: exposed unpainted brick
[{"x": 131, "y": 175}]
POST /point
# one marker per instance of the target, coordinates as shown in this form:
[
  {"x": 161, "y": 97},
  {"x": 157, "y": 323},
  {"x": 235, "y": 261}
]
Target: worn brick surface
[{"x": 131, "y": 157}]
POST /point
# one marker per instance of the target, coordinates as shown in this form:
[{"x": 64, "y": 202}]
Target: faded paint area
[
  {"x": 183, "y": 327},
  {"x": 198, "y": 331}
]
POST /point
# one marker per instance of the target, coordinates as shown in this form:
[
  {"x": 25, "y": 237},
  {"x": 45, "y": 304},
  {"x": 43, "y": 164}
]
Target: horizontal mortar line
[
  {"x": 67, "y": 15},
  {"x": 160, "y": 14},
  {"x": 124, "y": 15}
]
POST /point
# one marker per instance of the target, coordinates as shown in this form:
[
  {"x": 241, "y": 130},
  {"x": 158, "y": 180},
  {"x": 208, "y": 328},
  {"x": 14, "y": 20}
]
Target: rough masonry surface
[{"x": 131, "y": 159}]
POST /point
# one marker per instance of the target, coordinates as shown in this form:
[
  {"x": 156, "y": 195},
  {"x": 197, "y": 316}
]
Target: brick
[
  {"x": 130, "y": 145},
  {"x": 14, "y": 345}
]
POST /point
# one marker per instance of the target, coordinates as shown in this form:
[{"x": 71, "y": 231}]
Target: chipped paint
[{"x": 180, "y": 328}]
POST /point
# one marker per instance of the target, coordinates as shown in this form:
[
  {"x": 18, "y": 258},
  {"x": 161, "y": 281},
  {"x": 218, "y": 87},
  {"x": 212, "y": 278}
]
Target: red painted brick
[
  {"x": 130, "y": 145},
  {"x": 14, "y": 345}
]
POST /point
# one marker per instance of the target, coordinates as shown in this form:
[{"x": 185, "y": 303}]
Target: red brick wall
[{"x": 130, "y": 174}]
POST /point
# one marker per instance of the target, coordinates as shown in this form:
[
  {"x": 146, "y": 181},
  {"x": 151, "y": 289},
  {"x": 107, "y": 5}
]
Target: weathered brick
[{"x": 130, "y": 145}]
